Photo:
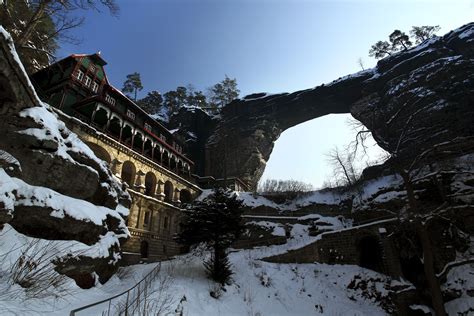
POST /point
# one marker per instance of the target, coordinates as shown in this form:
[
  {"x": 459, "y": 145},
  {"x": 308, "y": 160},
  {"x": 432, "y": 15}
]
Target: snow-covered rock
[{"x": 52, "y": 186}]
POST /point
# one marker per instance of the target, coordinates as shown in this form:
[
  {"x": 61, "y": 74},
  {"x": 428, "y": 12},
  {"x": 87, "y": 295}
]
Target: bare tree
[
  {"x": 360, "y": 62},
  {"x": 38, "y": 25},
  {"x": 343, "y": 163}
]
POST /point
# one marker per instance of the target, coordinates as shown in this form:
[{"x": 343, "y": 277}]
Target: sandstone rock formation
[
  {"x": 52, "y": 186},
  {"x": 423, "y": 93}
]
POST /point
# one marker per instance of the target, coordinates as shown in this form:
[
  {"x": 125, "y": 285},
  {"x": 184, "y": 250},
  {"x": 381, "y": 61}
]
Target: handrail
[{"x": 152, "y": 274}]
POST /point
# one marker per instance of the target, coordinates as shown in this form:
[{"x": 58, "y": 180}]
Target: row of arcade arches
[
  {"x": 152, "y": 186},
  {"x": 123, "y": 131}
]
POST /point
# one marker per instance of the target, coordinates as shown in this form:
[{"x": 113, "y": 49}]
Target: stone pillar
[
  {"x": 115, "y": 166},
  {"x": 160, "y": 195},
  {"x": 176, "y": 196},
  {"x": 140, "y": 181}
]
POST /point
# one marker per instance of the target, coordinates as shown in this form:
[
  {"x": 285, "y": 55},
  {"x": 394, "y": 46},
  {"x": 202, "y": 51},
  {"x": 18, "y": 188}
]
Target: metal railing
[{"x": 130, "y": 302}]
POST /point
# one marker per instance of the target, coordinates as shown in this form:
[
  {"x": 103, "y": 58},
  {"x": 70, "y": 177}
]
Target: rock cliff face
[
  {"x": 52, "y": 186},
  {"x": 425, "y": 93}
]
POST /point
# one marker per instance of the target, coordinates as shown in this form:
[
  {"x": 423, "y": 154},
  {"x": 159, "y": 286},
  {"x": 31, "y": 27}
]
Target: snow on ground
[
  {"x": 316, "y": 197},
  {"x": 277, "y": 229},
  {"x": 259, "y": 288}
]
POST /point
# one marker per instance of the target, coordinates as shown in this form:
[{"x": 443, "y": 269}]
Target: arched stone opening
[
  {"x": 180, "y": 167},
  {"x": 150, "y": 183},
  {"x": 100, "y": 118},
  {"x": 148, "y": 148},
  {"x": 127, "y": 134},
  {"x": 370, "y": 253},
  {"x": 166, "y": 159},
  {"x": 100, "y": 152},
  {"x": 128, "y": 173},
  {"x": 173, "y": 163},
  {"x": 144, "y": 249},
  {"x": 169, "y": 190},
  {"x": 115, "y": 126},
  {"x": 138, "y": 142},
  {"x": 185, "y": 196}
]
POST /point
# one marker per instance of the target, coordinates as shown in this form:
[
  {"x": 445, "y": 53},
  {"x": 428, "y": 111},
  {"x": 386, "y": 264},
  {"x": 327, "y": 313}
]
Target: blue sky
[{"x": 268, "y": 45}]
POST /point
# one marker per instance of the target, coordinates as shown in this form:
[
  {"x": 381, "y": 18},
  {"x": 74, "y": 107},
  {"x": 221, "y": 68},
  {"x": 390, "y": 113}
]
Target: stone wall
[{"x": 343, "y": 247}]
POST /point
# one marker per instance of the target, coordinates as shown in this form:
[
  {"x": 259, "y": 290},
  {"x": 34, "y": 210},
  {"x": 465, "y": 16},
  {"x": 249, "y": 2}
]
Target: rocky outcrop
[
  {"x": 52, "y": 186},
  {"x": 424, "y": 93}
]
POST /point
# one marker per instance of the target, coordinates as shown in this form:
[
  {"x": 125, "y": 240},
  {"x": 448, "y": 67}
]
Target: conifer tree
[
  {"x": 215, "y": 221},
  {"x": 422, "y": 33},
  {"x": 133, "y": 84},
  {"x": 399, "y": 40},
  {"x": 224, "y": 92},
  {"x": 152, "y": 102}
]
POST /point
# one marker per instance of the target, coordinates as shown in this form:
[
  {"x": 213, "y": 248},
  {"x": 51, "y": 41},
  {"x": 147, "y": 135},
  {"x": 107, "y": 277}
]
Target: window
[
  {"x": 79, "y": 75},
  {"x": 92, "y": 68},
  {"x": 88, "y": 81},
  {"x": 165, "y": 224},
  {"x": 130, "y": 115},
  {"x": 146, "y": 219},
  {"x": 95, "y": 86},
  {"x": 109, "y": 99},
  {"x": 147, "y": 127},
  {"x": 163, "y": 137}
]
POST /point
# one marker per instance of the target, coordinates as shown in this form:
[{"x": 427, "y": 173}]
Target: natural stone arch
[
  {"x": 185, "y": 196},
  {"x": 100, "y": 152},
  {"x": 128, "y": 173},
  {"x": 169, "y": 191},
  {"x": 150, "y": 183},
  {"x": 370, "y": 252}
]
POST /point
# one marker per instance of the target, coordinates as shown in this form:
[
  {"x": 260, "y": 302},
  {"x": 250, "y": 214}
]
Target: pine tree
[
  {"x": 133, "y": 84},
  {"x": 399, "y": 40},
  {"x": 422, "y": 33},
  {"x": 224, "y": 92},
  {"x": 217, "y": 222},
  {"x": 380, "y": 49},
  {"x": 152, "y": 102}
]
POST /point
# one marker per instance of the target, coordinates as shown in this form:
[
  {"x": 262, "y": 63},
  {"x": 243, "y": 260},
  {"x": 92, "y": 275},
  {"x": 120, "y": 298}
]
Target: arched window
[
  {"x": 150, "y": 183},
  {"x": 166, "y": 159},
  {"x": 144, "y": 249},
  {"x": 115, "y": 127},
  {"x": 169, "y": 191},
  {"x": 100, "y": 152},
  {"x": 138, "y": 142},
  {"x": 128, "y": 173},
  {"x": 146, "y": 218},
  {"x": 127, "y": 135},
  {"x": 147, "y": 148},
  {"x": 185, "y": 196},
  {"x": 100, "y": 118}
]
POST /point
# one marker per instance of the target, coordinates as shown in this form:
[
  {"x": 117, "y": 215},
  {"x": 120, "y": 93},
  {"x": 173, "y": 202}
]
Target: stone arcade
[{"x": 147, "y": 157}]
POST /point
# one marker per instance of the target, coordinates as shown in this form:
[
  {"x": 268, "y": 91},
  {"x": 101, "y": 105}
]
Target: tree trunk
[
  {"x": 428, "y": 265},
  {"x": 410, "y": 191}
]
